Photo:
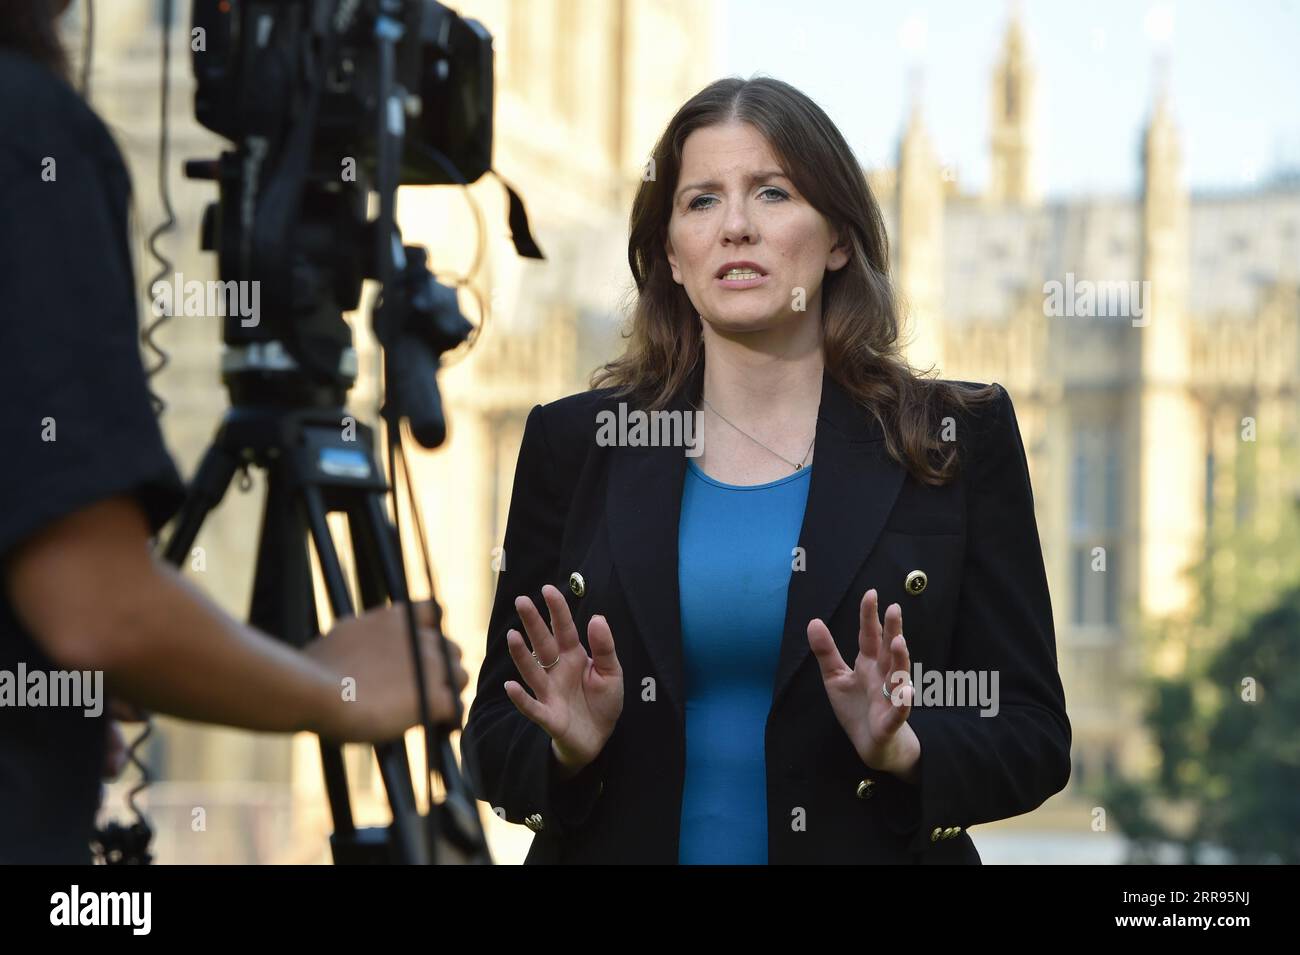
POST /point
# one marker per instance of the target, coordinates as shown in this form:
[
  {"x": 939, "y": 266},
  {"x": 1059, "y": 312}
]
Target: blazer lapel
[{"x": 854, "y": 484}]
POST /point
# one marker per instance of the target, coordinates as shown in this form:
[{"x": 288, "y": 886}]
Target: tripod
[
  {"x": 296, "y": 87},
  {"x": 315, "y": 467}
]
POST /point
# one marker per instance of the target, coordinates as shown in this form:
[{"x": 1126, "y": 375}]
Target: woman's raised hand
[
  {"x": 874, "y": 722},
  {"x": 579, "y": 698}
]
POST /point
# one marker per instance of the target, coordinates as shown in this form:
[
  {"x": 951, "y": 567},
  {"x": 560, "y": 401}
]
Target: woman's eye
[{"x": 694, "y": 204}]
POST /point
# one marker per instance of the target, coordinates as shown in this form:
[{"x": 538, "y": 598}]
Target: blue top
[{"x": 735, "y": 554}]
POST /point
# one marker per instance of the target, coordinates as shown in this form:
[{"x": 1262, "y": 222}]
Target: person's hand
[
  {"x": 371, "y": 657},
  {"x": 580, "y": 697},
  {"x": 876, "y": 724}
]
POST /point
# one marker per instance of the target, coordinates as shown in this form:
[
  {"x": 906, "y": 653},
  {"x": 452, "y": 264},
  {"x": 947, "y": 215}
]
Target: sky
[{"x": 1233, "y": 73}]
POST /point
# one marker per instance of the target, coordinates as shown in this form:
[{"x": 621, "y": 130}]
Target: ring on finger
[
  {"x": 545, "y": 666},
  {"x": 884, "y": 689}
]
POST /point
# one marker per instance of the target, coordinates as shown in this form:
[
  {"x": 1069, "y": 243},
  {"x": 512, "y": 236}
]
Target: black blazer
[{"x": 611, "y": 515}]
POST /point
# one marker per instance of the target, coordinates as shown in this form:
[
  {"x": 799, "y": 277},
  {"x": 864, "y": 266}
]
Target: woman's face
[{"x": 732, "y": 203}]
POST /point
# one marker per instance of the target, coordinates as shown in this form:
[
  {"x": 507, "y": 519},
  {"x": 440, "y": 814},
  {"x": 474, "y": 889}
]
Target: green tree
[{"x": 1226, "y": 728}]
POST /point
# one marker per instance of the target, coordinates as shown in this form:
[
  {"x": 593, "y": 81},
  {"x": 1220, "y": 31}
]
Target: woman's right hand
[{"x": 580, "y": 697}]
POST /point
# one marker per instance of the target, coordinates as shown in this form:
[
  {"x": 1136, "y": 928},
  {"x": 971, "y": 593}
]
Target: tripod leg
[
  {"x": 203, "y": 494},
  {"x": 394, "y": 769},
  {"x": 284, "y": 604},
  {"x": 380, "y": 577},
  {"x": 379, "y": 568}
]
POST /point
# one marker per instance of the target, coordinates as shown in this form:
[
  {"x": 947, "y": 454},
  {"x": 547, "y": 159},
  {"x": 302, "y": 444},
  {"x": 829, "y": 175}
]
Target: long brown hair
[
  {"x": 31, "y": 27},
  {"x": 859, "y": 308}
]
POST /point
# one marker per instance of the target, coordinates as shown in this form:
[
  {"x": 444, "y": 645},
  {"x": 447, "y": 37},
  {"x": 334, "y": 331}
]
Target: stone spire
[
  {"x": 1171, "y": 459},
  {"x": 1012, "y": 97},
  {"x": 920, "y": 238}
]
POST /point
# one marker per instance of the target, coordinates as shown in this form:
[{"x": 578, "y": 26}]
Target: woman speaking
[{"x": 813, "y": 626}]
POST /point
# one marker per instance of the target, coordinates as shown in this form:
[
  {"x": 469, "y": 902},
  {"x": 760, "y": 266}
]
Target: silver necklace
[{"x": 760, "y": 443}]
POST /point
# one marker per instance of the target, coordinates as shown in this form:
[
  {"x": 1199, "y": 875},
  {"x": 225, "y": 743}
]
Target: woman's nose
[{"x": 736, "y": 225}]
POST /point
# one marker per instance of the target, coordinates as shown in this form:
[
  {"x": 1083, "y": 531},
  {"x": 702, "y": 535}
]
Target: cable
[
  {"x": 387, "y": 179},
  {"x": 465, "y": 281},
  {"x": 165, "y": 264},
  {"x": 117, "y": 844}
]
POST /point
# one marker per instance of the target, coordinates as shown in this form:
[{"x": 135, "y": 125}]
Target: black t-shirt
[{"x": 71, "y": 369}]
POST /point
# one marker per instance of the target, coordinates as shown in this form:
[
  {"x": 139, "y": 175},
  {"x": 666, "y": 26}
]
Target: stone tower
[
  {"x": 1169, "y": 514},
  {"x": 1011, "y": 97},
  {"x": 920, "y": 197}
]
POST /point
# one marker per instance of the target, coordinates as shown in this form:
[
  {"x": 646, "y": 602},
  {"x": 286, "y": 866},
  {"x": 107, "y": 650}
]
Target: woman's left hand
[{"x": 876, "y": 724}]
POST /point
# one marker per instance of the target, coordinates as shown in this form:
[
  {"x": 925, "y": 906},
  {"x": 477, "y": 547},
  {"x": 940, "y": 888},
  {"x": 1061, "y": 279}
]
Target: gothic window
[{"x": 1096, "y": 515}]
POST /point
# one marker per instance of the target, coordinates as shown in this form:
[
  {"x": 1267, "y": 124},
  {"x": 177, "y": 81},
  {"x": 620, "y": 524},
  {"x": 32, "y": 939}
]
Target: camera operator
[{"x": 86, "y": 481}]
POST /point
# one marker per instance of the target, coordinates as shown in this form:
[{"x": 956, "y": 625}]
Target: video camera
[{"x": 326, "y": 101}]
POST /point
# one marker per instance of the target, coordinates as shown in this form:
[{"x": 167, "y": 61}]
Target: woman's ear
[
  {"x": 672, "y": 260},
  {"x": 840, "y": 252}
]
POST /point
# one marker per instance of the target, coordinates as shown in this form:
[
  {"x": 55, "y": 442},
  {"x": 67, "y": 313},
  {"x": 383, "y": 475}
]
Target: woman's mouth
[{"x": 741, "y": 279}]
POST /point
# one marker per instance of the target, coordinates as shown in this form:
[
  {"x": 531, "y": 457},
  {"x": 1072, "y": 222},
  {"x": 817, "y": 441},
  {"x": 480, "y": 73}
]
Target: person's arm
[
  {"x": 973, "y": 768},
  {"x": 510, "y": 760},
  {"x": 94, "y": 597}
]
